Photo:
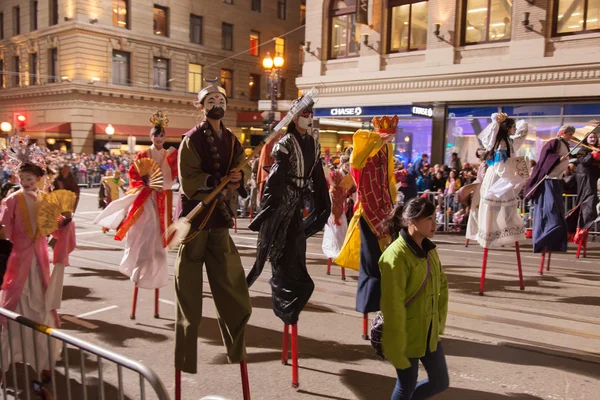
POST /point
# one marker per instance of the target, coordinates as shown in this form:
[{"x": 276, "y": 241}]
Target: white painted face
[
  {"x": 305, "y": 122},
  {"x": 29, "y": 181},
  {"x": 213, "y": 100}
]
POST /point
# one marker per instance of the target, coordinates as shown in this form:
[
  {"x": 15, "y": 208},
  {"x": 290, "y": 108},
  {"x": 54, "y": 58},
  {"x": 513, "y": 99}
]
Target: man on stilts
[
  {"x": 545, "y": 188},
  {"x": 282, "y": 228},
  {"x": 372, "y": 166},
  {"x": 208, "y": 153}
]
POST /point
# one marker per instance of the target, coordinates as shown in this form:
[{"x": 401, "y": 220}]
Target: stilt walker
[
  {"x": 499, "y": 221},
  {"x": 207, "y": 155},
  {"x": 337, "y": 225},
  {"x": 282, "y": 228},
  {"x": 544, "y": 188},
  {"x": 142, "y": 216},
  {"x": 475, "y": 195},
  {"x": 372, "y": 167}
]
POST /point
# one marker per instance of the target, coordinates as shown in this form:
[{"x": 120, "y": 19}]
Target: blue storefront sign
[{"x": 362, "y": 111}]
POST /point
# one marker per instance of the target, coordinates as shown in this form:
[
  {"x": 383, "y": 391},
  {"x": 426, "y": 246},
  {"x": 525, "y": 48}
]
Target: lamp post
[
  {"x": 272, "y": 68},
  {"x": 6, "y": 127},
  {"x": 110, "y": 130}
]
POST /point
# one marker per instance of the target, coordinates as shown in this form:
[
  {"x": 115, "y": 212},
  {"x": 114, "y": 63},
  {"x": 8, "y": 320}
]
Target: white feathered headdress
[
  {"x": 487, "y": 137},
  {"x": 20, "y": 151}
]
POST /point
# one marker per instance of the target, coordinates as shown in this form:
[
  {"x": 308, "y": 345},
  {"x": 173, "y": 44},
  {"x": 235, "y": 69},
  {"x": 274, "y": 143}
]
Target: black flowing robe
[
  {"x": 296, "y": 174},
  {"x": 588, "y": 173}
]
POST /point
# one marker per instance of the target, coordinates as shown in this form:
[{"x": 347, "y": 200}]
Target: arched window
[
  {"x": 407, "y": 25},
  {"x": 344, "y": 32}
]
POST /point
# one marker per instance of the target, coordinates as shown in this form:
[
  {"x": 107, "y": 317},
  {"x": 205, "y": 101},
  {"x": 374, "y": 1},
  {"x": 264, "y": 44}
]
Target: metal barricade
[{"x": 105, "y": 373}]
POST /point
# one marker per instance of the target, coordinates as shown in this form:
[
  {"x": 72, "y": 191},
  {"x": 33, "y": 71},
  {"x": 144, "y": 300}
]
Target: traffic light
[{"x": 21, "y": 121}]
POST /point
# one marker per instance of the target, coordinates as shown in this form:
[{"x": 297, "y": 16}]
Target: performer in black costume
[{"x": 296, "y": 174}]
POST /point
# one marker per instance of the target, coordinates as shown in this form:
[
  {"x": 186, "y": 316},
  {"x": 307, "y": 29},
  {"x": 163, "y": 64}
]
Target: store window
[
  {"x": 120, "y": 14},
  {"x": 344, "y": 31},
  {"x": 408, "y": 21},
  {"x": 254, "y": 43},
  {"x": 194, "y": 78},
  {"x": 161, "y": 73},
  {"x": 161, "y": 21},
  {"x": 576, "y": 16},
  {"x": 227, "y": 82},
  {"x": 486, "y": 21},
  {"x": 254, "y": 87},
  {"x": 121, "y": 68}
]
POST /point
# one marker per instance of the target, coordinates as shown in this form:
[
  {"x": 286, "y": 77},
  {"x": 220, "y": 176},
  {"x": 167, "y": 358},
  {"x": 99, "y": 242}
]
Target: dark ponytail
[{"x": 416, "y": 209}]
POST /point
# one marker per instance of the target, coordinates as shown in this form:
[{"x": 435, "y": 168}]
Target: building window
[
  {"x": 254, "y": 88},
  {"x": 281, "y": 93},
  {"x": 254, "y": 43},
  {"x": 227, "y": 81},
  {"x": 256, "y": 5},
  {"x": 121, "y": 13},
  {"x": 120, "y": 68},
  {"x": 53, "y": 65},
  {"x": 280, "y": 47},
  {"x": 161, "y": 73},
  {"x": 16, "y": 20},
  {"x": 576, "y": 16},
  {"x": 486, "y": 21},
  {"x": 1, "y": 25},
  {"x": 408, "y": 25},
  {"x": 194, "y": 78},
  {"x": 34, "y": 15},
  {"x": 53, "y": 12},
  {"x": 281, "y": 9},
  {"x": 33, "y": 69},
  {"x": 195, "y": 29},
  {"x": 344, "y": 31},
  {"x": 161, "y": 21},
  {"x": 17, "y": 72},
  {"x": 227, "y": 36},
  {"x": 303, "y": 12}
]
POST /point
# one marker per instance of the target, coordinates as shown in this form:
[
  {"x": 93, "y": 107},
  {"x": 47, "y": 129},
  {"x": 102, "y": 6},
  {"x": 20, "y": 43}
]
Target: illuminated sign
[
  {"x": 352, "y": 111},
  {"x": 422, "y": 111}
]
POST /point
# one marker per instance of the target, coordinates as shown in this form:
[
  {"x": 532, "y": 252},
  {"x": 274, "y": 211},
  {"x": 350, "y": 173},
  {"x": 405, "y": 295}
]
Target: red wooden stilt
[
  {"x": 329, "y": 266},
  {"x": 245, "y": 380},
  {"x": 284, "y": 344},
  {"x": 156, "y": 303},
  {"x": 467, "y": 243},
  {"x": 579, "y": 246},
  {"x": 177, "y": 384},
  {"x": 295, "y": 382},
  {"x": 548, "y": 265},
  {"x": 542, "y": 262},
  {"x": 343, "y": 273},
  {"x": 235, "y": 224},
  {"x": 483, "y": 267},
  {"x": 518, "y": 250},
  {"x": 135, "y": 296},
  {"x": 365, "y": 336}
]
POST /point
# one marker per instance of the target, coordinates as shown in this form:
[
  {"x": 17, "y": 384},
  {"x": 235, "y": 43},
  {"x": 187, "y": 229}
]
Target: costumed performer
[
  {"x": 588, "y": 174},
  {"x": 472, "y": 225},
  {"x": 282, "y": 229},
  {"x": 109, "y": 188},
  {"x": 337, "y": 224},
  {"x": 142, "y": 216},
  {"x": 545, "y": 189},
  {"x": 28, "y": 271},
  {"x": 372, "y": 166},
  {"x": 208, "y": 153},
  {"x": 499, "y": 220}
]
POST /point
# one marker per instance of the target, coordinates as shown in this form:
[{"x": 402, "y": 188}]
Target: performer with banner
[
  {"x": 499, "y": 222},
  {"x": 545, "y": 188},
  {"x": 372, "y": 166},
  {"x": 283, "y": 231},
  {"x": 208, "y": 153},
  {"x": 144, "y": 213}
]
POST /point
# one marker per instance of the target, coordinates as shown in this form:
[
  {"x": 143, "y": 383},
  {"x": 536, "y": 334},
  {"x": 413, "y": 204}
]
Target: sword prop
[{"x": 179, "y": 230}]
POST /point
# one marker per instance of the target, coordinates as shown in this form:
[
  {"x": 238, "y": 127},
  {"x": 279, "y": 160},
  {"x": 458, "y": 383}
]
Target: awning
[
  {"x": 137, "y": 130},
  {"x": 250, "y": 116},
  {"x": 50, "y": 127}
]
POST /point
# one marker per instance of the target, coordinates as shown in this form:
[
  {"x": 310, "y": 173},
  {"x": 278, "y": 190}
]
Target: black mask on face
[{"x": 216, "y": 113}]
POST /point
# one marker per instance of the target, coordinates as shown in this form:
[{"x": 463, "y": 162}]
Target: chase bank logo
[
  {"x": 353, "y": 111},
  {"x": 423, "y": 111}
]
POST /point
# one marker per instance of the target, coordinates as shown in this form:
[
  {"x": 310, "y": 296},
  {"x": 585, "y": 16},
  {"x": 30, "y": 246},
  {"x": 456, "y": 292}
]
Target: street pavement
[{"x": 540, "y": 343}]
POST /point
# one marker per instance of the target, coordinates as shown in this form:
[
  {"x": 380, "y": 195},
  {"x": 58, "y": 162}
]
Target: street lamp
[
  {"x": 272, "y": 68},
  {"x": 6, "y": 127},
  {"x": 110, "y": 130}
]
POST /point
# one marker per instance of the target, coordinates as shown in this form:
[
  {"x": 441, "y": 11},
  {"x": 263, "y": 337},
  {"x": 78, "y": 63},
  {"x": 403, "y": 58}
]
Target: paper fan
[
  {"x": 52, "y": 206},
  {"x": 347, "y": 182},
  {"x": 150, "y": 172}
]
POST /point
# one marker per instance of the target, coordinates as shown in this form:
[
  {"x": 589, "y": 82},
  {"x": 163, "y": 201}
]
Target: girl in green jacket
[{"x": 414, "y": 302}]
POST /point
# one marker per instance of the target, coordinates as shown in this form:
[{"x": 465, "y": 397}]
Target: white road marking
[
  {"x": 88, "y": 194},
  {"x": 88, "y": 212},
  {"x": 166, "y": 301},
  {"x": 96, "y": 311},
  {"x": 88, "y": 233}
]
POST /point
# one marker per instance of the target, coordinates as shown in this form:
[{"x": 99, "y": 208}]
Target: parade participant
[
  {"x": 372, "y": 166},
  {"x": 545, "y": 188},
  {"x": 499, "y": 220},
  {"x": 66, "y": 181},
  {"x": 588, "y": 174},
  {"x": 265, "y": 162},
  {"x": 109, "y": 188},
  {"x": 414, "y": 302},
  {"x": 475, "y": 196},
  {"x": 337, "y": 224},
  {"x": 11, "y": 185},
  {"x": 149, "y": 213},
  {"x": 281, "y": 225},
  {"x": 28, "y": 271},
  {"x": 208, "y": 152}
]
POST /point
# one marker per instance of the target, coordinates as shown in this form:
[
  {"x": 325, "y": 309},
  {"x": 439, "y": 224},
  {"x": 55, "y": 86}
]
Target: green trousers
[{"x": 214, "y": 249}]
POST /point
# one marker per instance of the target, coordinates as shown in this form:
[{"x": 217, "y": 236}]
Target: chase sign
[
  {"x": 350, "y": 111},
  {"x": 422, "y": 111}
]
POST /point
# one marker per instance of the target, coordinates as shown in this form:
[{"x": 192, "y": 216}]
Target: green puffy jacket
[{"x": 403, "y": 268}]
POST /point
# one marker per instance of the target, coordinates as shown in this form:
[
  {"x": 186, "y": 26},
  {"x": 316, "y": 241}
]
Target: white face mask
[{"x": 304, "y": 123}]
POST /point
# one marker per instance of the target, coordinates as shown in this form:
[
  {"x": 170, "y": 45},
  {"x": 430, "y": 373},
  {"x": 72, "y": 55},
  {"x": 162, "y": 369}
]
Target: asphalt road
[{"x": 541, "y": 343}]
